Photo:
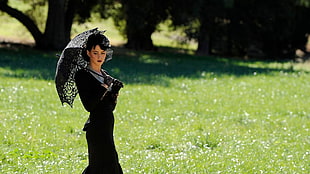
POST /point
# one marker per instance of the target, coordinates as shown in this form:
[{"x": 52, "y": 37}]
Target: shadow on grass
[
  {"x": 156, "y": 68},
  {"x": 129, "y": 66},
  {"x": 27, "y": 63}
]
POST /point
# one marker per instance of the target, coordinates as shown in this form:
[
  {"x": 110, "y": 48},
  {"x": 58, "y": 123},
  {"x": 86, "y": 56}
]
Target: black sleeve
[{"x": 90, "y": 90}]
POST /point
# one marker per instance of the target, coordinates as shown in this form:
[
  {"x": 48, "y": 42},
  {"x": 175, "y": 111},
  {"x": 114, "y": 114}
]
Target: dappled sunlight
[
  {"x": 147, "y": 67},
  {"x": 150, "y": 67},
  {"x": 26, "y": 63},
  {"x": 176, "y": 114}
]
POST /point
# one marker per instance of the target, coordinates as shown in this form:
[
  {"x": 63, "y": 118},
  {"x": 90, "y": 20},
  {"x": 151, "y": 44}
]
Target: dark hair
[{"x": 102, "y": 41}]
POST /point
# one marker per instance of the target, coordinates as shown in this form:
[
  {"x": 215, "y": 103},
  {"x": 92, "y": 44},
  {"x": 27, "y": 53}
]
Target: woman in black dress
[{"x": 98, "y": 92}]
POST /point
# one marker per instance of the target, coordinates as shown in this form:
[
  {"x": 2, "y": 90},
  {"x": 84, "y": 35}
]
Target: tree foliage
[
  {"x": 57, "y": 25},
  {"x": 141, "y": 18},
  {"x": 60, "y": 15},
  {"x": 256, "y": 28}
]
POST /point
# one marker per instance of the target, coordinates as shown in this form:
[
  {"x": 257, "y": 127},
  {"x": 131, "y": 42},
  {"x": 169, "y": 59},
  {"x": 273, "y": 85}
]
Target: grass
[{"x": 177, "y": 114}]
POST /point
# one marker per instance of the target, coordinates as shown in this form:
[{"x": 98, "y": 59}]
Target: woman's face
[{"x": 96, "y": 56}]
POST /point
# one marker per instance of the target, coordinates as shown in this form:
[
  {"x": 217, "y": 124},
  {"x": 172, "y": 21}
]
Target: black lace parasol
[{"x": 71, "y": 60}]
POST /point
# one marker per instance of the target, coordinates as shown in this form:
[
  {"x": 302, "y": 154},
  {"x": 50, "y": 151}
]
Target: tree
[
  {"x": 58, "y": 23},
  {"x": 61, "y": 14},
  {"x": 212, "y": 16},
  {"x": 257, "y": 28},
  {"x": 273, "y": 27},
  {"x": 202, "y": 20},
  {"x": 141, "y": 18}
]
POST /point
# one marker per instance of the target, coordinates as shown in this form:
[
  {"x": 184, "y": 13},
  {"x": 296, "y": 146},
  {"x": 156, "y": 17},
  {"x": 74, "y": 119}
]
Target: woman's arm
[{"x": 90, "y": 90}]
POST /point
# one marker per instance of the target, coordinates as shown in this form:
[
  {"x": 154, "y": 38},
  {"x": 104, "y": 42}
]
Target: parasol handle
[{"x": 108, "y": 89}]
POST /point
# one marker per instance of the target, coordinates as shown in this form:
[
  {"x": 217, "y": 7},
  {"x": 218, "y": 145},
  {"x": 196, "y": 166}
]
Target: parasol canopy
[{"x": 71, "y": 60}]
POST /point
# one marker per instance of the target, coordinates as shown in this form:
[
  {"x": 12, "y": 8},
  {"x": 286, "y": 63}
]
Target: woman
[{"x": 98, "y": 92}]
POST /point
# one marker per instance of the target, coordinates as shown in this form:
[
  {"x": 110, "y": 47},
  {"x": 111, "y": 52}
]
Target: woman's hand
[{"x": 117, "y": 85}]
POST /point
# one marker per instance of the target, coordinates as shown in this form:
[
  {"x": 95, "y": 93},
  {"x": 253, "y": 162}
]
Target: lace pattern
[{"x": 70, "y": 61}]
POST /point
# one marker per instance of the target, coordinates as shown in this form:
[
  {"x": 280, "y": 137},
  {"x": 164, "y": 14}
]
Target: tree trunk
[
  {"x": 69, "y": 15},
  {"x": 55, "y": 25},
  {"x": 25, "y": 20},
  {"x": 139, "y": 39},
  {"x": 58, "y": 24},
  {"x": 139, "y": 26},
  {"x": 203, "y": 40}
]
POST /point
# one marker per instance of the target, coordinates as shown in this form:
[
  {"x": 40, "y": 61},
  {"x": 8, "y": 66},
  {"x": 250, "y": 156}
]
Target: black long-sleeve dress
[{"x": 103, "y": 158}]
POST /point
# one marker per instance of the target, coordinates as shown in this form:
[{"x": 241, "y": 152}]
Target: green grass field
[{"x": 177, "y": 114}]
